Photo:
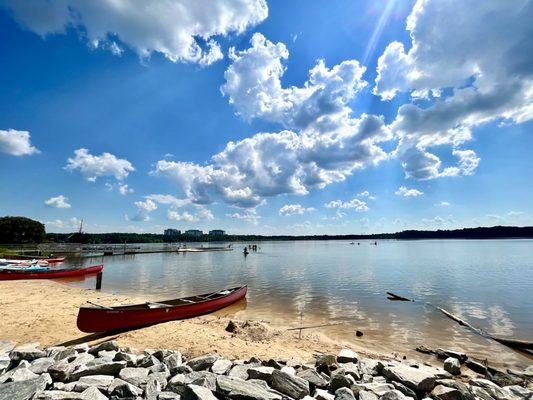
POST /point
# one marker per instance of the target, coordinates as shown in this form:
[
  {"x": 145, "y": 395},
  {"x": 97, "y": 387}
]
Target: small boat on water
[
  {"x": 51, "y": 260},
  {"x": 104, "y": 319},
  {"x": 17, "y": 273}
]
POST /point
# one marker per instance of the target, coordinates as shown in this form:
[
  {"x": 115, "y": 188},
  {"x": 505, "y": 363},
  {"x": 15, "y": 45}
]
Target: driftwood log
[{"x": 522, "y": 345}]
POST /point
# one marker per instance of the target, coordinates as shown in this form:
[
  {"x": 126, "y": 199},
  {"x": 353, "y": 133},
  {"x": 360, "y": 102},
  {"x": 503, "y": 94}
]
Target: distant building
[
  {"x": 217, "y": 232},
  {"x": 194, "y": 233},
  {"x": 172, "y": 232}
]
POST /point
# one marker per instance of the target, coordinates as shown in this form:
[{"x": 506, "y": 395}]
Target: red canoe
[
  {"x": 7, "y": 275},
  {"x": 104, "y": 319}
]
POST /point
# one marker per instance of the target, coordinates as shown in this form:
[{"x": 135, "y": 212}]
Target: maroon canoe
[
  {"x": 7, "y": 275},
  {"x": 104, "y": 319}
]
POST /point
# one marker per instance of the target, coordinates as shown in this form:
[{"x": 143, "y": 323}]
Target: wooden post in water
[{"x": 99, "y": 276}]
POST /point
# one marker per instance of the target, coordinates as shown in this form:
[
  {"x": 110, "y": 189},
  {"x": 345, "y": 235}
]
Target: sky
[{"x": 269, "y": 117}]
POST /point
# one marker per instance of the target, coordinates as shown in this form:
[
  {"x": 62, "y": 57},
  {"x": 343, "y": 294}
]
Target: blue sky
[{"x": 317, "y": 147}]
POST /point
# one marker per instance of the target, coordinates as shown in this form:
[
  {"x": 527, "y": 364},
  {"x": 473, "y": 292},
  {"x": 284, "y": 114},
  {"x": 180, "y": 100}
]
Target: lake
[{"x": 486, "y": 282}]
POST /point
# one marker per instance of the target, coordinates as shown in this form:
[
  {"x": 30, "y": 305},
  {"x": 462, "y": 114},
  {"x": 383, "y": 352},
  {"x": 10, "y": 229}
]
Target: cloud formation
[
  {"x": 467, "y": 81},
  {"x": 358, "y": 205},
  {"x": 404, "y": 192},
  {"x": 144, "y": 208},
  {"x": 181, "y": 30},
  {"x": 93, "y": 167},
  {"x": 294, "y": 209},
  {"x": 323, "y": 143},
  {"x": 16, "y": 143},
  {"x": 58, "y": 202}
]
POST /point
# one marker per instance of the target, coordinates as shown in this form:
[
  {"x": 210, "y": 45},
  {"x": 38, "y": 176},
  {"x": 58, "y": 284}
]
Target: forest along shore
[{"x": 96, "y": 372}]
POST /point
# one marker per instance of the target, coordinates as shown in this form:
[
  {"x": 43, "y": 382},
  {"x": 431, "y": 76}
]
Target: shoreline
[{"x": 45, "y": 311}]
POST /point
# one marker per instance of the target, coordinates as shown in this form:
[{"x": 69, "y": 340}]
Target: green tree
[{"x": 21, "y": 230}]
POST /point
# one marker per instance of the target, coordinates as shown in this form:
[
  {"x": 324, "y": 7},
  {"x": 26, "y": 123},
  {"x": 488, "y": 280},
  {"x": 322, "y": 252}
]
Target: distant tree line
[
  {"x": 21, "y": 230},
  {"x": 496, "y": 232}
]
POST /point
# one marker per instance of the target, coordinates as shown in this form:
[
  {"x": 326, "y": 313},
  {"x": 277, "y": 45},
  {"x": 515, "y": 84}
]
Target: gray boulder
[
  {"x": 370, "y": 367},
  {"x": 194, "y": 392},
  {"x": 262, "y": 373},
  {"x": 93, "y": 393},
  {"x": 321, "y": 394},
  {"x": 313, "y": 377},
  {"x": 101, "y": 382},
  {"x": 221, "y": 366},
  {"x": 404, "y": 389},
  {"x": 452, "y": 365},
  {"x": 173, "y": 362},
  {"x": 41, "y": 365},
  {"x": 413, "y": 378},
  {"x": 28, "y": 352},
  {"x": 236, "y": 388},
  {"x": 168, "y": 396},
  {"x": 442, "y": 392},
  {"x": 106, "y": 346},
  {"x": 445, "y": 353},
  {"x": 344, "y": 394},
  {"x": 378, "y": 388},
  {"x": 202, "y": 362},
  {"x": 57, "y": 395},
  {"x": 135, "y": 376},
  {"x": 492, "y": 389},
  {"x": 325, "y": 360},
  {"x": 346, "y": 356},
  {"x": 340, "y": 380},
  {"x": 5, "y": 363},
  {"x": 59, "y": 355},
  {"x": 22, "y": 374},
  {"x": 131, "y": 359},
  {"x": 291, "y": 385},
  {"x": 121, "y": 388},
  {"x": 23, "y": 390},
  {"x": 393, "y": 395},
  {"x": 365, "y": 395},
  {"x": 201, "y": 378},
  {"x": 147, "y": 361},
  {"x": 239, "y": 371},
  {"x": 153, "y": 388},
  {"x": 98, "y": 366}
]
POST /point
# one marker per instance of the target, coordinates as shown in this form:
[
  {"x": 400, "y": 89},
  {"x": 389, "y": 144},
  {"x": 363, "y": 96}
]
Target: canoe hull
[
  {"x": 92, "y": 320},
  {"x": 50, "y": 274}
]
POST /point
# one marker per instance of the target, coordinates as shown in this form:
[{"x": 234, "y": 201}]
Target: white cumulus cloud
[
  {"x": 323, "y": 143},
  {"x": 404, "y": 192},
  {"x": 58, "y": 202},
  {"x": 16, "y": 143},
  {"x": 92, "y": 166},
  {"x": 181, "y": 30},
  {"x": 358, "y": 205},
  {"x": 144, "y": 208},
  {"x": 294, "y": 209},
  {"x": 467, "y": 80},
  {"x": 124, "y": 189}
]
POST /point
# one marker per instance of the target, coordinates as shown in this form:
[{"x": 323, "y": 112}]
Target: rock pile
[{"x": 106, "y": 371}]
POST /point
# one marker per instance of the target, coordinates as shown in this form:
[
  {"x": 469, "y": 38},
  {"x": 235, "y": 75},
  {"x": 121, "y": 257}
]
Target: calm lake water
[{"x": 489, "y": 283}]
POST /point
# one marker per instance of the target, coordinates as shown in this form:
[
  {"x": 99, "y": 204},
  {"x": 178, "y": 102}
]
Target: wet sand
[{"x": 46, "y": 311}]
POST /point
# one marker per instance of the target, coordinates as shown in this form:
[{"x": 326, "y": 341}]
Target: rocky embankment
[{"x": 105, "y": 371}]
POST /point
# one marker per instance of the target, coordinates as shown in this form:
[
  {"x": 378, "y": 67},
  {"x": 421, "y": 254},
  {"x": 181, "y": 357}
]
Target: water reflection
[{"x": 485, "y": 282}]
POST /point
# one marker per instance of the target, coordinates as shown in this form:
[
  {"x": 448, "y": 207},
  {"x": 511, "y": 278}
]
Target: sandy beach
[{"x": 46, "y": 311}]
